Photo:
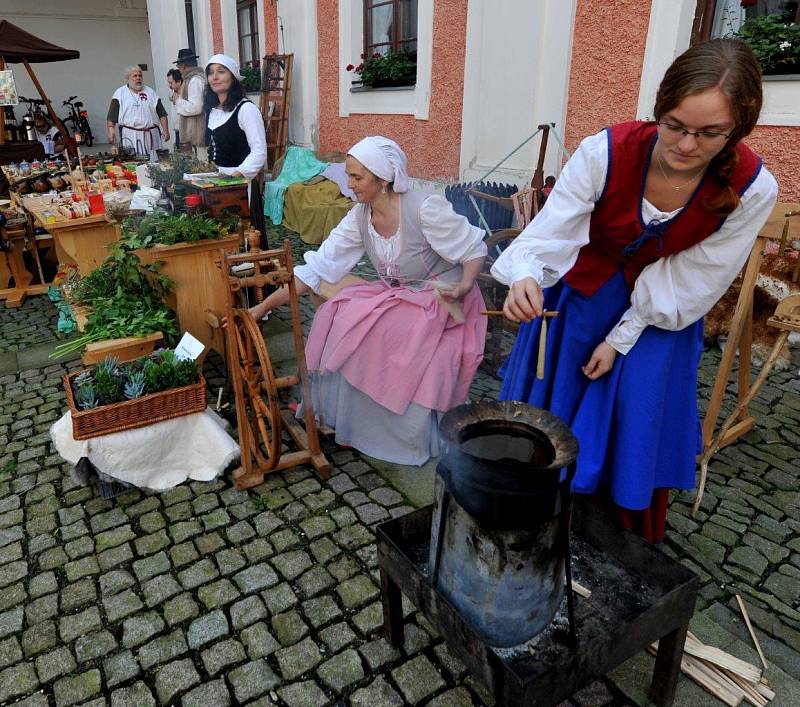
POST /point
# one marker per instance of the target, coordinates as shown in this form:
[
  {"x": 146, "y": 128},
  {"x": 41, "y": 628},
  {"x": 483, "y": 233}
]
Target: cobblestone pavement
[
  {"x": 208, "y": 595},
  {"x": 32, "y": 323}
]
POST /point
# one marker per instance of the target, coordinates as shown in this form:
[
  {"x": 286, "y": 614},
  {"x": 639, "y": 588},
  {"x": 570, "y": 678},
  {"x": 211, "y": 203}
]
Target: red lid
[{"x": 193, "y": 200}]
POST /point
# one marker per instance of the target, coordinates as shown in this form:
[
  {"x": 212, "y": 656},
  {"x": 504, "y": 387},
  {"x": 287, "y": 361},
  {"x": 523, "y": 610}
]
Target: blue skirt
[{"x": 637, "y": 426}]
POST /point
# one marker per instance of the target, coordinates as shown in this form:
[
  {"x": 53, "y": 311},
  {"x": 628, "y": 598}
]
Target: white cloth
[
  {"x": 193, "y": 103},
  {"x": 671, "y": 293},
  {"x": 449, "y": 234},
  {"x": 228, "y": 62},
  {"x": 384, "y": 158},
  {"x": 47, "y": 139},
  {"x": 158, "y": 456},
  {"x": 250, "y": 120}
]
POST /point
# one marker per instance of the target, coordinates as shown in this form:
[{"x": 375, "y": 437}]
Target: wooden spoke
[{"x": 258, "y": 388}]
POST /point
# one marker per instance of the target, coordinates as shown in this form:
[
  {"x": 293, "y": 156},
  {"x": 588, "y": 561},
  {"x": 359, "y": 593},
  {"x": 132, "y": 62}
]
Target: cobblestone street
[{"x": 205, "y": 595}]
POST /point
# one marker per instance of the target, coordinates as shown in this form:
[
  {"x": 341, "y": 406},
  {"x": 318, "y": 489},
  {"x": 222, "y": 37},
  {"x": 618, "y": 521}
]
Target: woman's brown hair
[{"x": 731, "y": 66}]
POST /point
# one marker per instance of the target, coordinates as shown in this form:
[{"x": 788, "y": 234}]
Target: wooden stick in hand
[{"x": 499, "y": 313}]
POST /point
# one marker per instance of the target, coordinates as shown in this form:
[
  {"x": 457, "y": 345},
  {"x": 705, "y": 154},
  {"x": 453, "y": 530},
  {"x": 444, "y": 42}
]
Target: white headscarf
[
  {"x": 228, "y": 62},
  {"x": 384, "y": 158}
]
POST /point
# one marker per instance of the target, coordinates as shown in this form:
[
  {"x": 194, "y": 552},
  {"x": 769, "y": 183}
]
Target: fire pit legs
[
  {"x": 391, "y": 598},
  {"x": 566, "y": 504},
  {"x": 668, "y": 667}
]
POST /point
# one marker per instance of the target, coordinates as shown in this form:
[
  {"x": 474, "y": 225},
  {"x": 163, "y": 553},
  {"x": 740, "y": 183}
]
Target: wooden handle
[{"x": 499, "y": 313}]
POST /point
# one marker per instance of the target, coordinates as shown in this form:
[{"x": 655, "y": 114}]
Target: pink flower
[
  {"x": 359, "y": 67},
  {"x": 349, "y": 67}
]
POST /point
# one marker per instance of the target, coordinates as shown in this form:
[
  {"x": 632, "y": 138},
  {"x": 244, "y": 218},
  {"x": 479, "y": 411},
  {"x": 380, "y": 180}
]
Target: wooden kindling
[{"x": 730, "y": 679}]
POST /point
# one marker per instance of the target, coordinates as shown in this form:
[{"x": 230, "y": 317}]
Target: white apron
[{"x": 139, "y": 125}]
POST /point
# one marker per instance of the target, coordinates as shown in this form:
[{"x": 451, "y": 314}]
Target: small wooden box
[{"x": 223, "y": 201}]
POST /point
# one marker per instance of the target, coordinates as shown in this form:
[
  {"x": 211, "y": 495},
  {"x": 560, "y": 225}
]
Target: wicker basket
[{"x": 139, "y": 412}]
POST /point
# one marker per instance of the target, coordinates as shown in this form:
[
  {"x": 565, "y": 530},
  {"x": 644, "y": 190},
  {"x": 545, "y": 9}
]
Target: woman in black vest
[{"x": 237, "y": 142}]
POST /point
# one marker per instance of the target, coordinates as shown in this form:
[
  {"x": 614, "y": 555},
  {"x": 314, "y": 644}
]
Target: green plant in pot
[
  {"x": 775, "y": 40},
  {"x": 386, "y": 70}
]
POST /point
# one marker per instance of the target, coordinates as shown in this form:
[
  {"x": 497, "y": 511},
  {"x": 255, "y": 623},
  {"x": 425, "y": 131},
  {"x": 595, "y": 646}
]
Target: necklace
[{"x": 666, "y": 178}]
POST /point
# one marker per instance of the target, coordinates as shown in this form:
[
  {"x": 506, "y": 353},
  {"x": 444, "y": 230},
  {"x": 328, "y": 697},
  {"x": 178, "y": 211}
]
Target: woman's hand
[
  {"x": 524, "y": 301},
  {"x": 601, "y": 361},
  {"x": 455, "y": 293}
]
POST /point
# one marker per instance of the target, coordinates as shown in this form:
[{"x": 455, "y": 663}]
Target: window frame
[
  {"x": 253, "y": 37},
  {"x": 395, "y": 41},
  {"x": 704, "y": 19}
]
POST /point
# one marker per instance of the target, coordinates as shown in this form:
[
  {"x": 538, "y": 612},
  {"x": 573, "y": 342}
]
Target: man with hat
[{"x": 188, "y": 102}]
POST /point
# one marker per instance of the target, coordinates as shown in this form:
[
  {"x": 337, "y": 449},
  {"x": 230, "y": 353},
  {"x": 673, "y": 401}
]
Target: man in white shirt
[
  {"x": 48, "y": 134},
  {"x": 141, "y": 117},
  {"x": 188, "y": 102}
]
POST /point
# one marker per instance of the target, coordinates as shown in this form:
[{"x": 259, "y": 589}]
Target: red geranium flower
[
  {"x": 350, "y": 67},
  {"x": 376, "y": 55},
  {"x": 364, "y": 56}
]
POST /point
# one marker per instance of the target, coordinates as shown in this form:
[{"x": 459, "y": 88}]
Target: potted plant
[
  {"x": 386, "y": 70},
  {"x": 775, "y": 40},
  {"x": 251, "y": 76},
  {"x": 111, "y": 397}
]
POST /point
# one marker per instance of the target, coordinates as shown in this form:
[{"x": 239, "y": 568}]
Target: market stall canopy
[{"x": 17, "y": 45}]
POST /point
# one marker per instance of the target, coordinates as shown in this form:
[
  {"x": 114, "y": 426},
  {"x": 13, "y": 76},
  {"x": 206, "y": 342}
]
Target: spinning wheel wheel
[
  {"x": 260, "y": 418},
  {"x": 256, "y": 389}
]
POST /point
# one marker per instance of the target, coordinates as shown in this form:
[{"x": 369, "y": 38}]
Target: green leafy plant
[
  {"x": 251, "y": 76},
  {"x": 775, "y": 40},
  {"x": 106, "y": 386},
  {"x": 134, "y": 388},
  {"x": 86, "y": 396},
  {"x": 393, "y": 69},
  {"x": 110, "y": 382},
  {"x": 166, "y": 229},
  {"x": 169, "y": 173}
]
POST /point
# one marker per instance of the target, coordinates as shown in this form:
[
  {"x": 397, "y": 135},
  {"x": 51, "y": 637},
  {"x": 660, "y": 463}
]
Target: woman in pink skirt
[{"x": 386, "y": 358}]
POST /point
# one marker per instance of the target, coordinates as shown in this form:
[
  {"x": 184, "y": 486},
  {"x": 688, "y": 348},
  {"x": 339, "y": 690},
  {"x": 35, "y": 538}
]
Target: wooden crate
[
  {"x": 223, "y": 201},
  {"x": 191, "y": 267},
  {"x": 127, "y": 349}
]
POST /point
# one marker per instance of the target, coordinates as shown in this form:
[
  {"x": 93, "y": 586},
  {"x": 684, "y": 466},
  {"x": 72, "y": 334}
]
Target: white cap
[{"x": 228, "y": 62}]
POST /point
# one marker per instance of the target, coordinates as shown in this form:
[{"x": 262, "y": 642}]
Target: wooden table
[
  {"x": 191, "y": 267},
  {"x": 81, "y": 241},
  {"x": 14, "y": 267}
]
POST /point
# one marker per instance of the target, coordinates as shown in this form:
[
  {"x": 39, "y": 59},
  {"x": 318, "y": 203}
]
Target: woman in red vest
[{"x": 646, "y": 228}]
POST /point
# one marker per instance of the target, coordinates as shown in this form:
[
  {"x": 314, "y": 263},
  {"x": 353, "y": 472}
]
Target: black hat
[{"x": 184, "y": 55}]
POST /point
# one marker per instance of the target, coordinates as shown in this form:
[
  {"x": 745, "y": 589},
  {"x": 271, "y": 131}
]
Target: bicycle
[{"x": 79, "y": 120}]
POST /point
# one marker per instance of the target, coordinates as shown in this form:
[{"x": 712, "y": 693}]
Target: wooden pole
[
  {"x": 2, "y": 110},
  {"x": 68, "y": 139},
  {"x": 752, "y": 632}
]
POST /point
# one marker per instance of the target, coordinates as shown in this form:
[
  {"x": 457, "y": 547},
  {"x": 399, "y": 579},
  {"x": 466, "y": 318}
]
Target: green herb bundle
[
  {"x": 111, "y": 382},
  {"x": 125, "y": 297},
  {"x": 166, "y": 229},
  {"x": 169, "y": 173}
]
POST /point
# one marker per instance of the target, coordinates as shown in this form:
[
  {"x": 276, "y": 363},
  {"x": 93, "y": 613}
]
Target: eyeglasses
[{"x": 699, "y": 135}]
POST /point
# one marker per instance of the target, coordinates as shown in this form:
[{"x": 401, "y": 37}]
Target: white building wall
[
  {"x": 299, "y": 37},
  {"x": 516, "y": 75},
  {"x": 109, "y": 36}
]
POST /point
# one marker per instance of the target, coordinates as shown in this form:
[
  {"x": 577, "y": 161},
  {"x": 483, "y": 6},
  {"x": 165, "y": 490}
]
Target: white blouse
[
  {"x": 671, "y": 293},
  {"x": 450, "y": 235},
  {"x": 250, "y": 120}
]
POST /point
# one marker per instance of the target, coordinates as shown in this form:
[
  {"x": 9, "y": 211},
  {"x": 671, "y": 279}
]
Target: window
[
  {"x": 724, "y": 18},
  {"x": 390, "y": 26},
  {"x": 189, "y": 12},
  {"x": 247, "y": 22}
]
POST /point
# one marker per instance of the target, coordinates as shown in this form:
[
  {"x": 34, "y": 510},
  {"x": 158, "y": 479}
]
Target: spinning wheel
[
  {"x": 260, "y": 418},
  {"x": 256, "y": 389}
]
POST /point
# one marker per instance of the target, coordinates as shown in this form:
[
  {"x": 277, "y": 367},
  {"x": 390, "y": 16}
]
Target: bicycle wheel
[{"x": 86, "y": 131}]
